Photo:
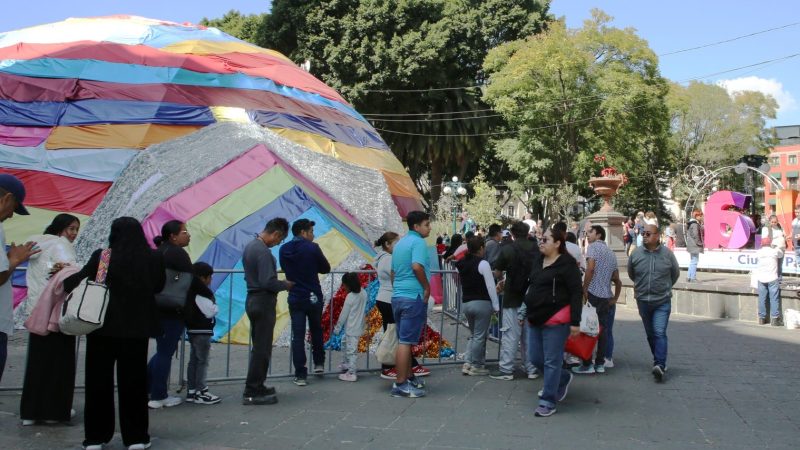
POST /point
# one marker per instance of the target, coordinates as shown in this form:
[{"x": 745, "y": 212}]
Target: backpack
[{"x": 518, "y": 275}]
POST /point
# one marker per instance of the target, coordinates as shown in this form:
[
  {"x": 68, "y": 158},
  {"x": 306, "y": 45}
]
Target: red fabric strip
[
  {"x": 60, "y": 193},
  {"x": 406, "y": 204},
  {"x": 258, "y": 65}
]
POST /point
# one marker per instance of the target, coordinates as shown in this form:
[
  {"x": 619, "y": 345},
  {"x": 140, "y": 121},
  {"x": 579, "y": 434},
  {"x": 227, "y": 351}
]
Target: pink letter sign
[{"x": 723, "y": 228}]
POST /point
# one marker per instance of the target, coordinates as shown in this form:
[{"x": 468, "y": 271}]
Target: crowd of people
[{"x": 535, "y": 279}]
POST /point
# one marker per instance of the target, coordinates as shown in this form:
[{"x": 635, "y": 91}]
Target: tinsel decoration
[
  {"x": 431, "y": 345},
  {"x": 333, "y": 340}
]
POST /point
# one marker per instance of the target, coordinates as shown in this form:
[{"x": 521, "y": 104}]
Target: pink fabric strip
[
  {"x": 199, "y": 197},
  {"x": 23, "y": 136}
]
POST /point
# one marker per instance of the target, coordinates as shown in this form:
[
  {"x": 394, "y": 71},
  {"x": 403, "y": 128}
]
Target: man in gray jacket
[
  {"x": 694, "y": 243},
  {"x": 654, "y": 270},
  {"x": 263, "y": 285}
]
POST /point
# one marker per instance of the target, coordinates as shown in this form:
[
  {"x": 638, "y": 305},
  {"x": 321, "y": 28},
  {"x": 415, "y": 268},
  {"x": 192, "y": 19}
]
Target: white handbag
[
  {"x": 385, "y": 353},
  {"x": 85, "y": 307}
]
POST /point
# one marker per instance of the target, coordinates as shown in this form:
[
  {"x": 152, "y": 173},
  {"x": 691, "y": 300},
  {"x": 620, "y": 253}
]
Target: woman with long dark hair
[
  {"x": 553, "y": 307},
  {"x": 174, "y": 237},
  {"x": 50, "y": 366},
  {"x": 135, "y": 274},
  {"x": 455, "y": 242}
]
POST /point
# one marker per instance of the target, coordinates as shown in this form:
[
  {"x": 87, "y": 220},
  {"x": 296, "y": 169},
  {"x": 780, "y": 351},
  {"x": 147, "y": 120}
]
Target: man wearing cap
[
  {"x": 302, "y": 261},
  {"x": 12, "y": 196}
]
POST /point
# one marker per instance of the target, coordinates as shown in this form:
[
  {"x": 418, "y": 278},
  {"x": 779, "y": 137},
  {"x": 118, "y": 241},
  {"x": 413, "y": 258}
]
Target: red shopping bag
[{"x": 581, "y": 345}]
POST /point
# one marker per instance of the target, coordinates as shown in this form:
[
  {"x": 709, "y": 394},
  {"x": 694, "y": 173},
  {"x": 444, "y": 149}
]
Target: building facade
[{"x": 784, "y": 161}]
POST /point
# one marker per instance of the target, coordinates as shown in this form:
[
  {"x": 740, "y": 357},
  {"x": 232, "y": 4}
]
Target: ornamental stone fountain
[{"x": 606, "y": 187}]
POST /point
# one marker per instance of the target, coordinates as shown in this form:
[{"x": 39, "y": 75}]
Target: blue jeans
[
  {"x": 410, "y": 315},
  {"x": 3, "y": 353},
  {"x": 546, "y": 352},
  {"x": 159, "y": 366},
  {"x": 773, "y": 290},
  {"x": 300, "y": 311},
  {"x": 612, "y": 311},
  {"x": 693, "y": 260},
  {"x": 655, "y": 319}
]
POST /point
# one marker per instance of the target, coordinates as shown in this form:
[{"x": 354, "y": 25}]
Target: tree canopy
[{"x": 572, "y": 94}]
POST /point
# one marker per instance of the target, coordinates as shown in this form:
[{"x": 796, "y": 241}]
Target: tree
[
  {"x": 371, "y": 49},
  {"x": 483, "y": 206},
  {"x": 712, "y": 128},
  {"x": 576, "y": 93},
  {"x": 247, "y": 28}
]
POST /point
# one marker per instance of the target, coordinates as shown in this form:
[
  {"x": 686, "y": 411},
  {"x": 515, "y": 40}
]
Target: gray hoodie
[{"x": 653, "y": 274}]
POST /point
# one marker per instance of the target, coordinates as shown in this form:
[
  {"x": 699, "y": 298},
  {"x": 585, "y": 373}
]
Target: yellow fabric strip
[
  {"x": 335, "y": 247},
  {"x": 200, "y": 47},
  {"x": 400, "y": 185},
  {"x": 230, "y": 114},
  {"x": 234, "y": 207},
  {"x": 362, "y": 156},
  {"x": 19, "y": 228},
  {"x": 115, "y": 135}
]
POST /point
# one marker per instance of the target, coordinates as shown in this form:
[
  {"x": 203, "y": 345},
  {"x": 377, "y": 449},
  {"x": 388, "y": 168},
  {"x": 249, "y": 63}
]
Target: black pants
[
  {"x": 260, "y": 309},
  {"x": 300, "y": 311},
  {"x": 49, "y": 378},
  {"x": 130, "y": 357},
  {"x": 387, "y": 317},
  {"x": 3, "y": 352},
  {"x": 602, "y": 306}
]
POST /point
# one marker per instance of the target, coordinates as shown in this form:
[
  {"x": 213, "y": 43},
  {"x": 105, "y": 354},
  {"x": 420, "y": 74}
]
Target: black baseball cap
[
  {"x": 301, "y": 225},
  {"x": 12, "y": 184}
]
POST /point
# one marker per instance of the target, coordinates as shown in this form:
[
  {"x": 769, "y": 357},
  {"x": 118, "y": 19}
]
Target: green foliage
[
  {"x": 247, "y": 28},
  {"x": 713, "y": 129},
  {"x": 483, "y": 206},
  {"x": 575, "y": 93},
  {"x": 361, "y": 47}
]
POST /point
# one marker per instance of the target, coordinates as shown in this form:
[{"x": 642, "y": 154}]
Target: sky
[{"x": 667, "y": 26}]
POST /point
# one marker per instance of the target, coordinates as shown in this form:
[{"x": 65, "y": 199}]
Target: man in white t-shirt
[
  {"x": 769, "y": 290},
  {"x": 12, "y": 194}
]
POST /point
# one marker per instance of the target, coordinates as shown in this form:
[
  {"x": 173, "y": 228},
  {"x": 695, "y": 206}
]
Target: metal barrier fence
[{"x": 450, "y": 323}]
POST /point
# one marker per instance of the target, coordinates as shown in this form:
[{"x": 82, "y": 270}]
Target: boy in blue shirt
[{"x": 411, "y": 269}]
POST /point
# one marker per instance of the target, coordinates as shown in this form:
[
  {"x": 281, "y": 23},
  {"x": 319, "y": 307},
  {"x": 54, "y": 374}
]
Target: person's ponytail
[{"x": 158, "y": 240}]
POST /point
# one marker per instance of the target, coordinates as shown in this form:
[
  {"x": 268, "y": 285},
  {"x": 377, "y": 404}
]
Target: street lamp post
[
  {"x": 751, "y": 159},
  {"x": 456, "y": 189}
]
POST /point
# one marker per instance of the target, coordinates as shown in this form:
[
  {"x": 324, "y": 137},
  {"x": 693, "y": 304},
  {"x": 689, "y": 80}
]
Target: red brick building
[{"x": 784, "y": 161}]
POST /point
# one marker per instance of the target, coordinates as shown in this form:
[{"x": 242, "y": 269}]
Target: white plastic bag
[
  {"x": 385, "y": 352},
  {"x": 791, "y": 318},
  {"x": 590, "y": 324}
]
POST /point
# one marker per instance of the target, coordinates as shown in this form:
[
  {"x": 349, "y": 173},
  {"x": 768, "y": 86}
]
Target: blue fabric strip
[
  {"x": 138, "y": 74},
  {"x": 359, "y": 137},
  {"x": 92, "y": 112},
  {"x": 84, "y": 164}
]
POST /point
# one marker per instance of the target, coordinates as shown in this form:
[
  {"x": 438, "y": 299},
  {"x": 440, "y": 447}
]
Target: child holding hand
[{"x": 351, "y": 319}]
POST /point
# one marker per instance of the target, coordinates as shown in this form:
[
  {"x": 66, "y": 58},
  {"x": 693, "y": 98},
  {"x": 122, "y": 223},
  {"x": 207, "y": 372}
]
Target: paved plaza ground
[{"x": 731, "y": 385}]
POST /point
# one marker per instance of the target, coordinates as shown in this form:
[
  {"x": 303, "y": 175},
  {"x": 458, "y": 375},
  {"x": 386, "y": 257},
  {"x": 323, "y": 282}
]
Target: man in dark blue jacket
[{"x": 302, "y": 261}]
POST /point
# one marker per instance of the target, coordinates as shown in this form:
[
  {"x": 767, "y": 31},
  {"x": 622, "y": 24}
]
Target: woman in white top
[
  {"x": 777, "y": 240},
  {"x": 57, "y": 251},
  {"x": 383, "y": 265}
]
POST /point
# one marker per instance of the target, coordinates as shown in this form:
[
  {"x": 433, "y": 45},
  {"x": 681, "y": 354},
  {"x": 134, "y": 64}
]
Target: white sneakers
[{"x": 168, "y": 402}]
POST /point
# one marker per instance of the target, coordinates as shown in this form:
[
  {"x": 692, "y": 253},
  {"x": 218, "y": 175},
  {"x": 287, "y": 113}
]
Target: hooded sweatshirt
[
  {"x": 302, "y": 261},
  {"x": 653, "y": 272},
  {"x": 694, "y": 237}
]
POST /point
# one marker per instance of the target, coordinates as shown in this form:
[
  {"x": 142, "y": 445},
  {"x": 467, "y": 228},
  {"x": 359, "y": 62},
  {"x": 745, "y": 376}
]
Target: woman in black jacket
[
  {"x": 174, "y": 237},
  {"x": 135, "y": 274},
  {"x": 553, "y": 310}
]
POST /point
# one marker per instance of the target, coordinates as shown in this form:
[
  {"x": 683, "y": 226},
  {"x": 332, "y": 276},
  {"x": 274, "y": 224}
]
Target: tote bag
[
  {"x": 176, "y": 288},
  {"x": 385, "y": 353},
  {"x": 85, "y": 308}
]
